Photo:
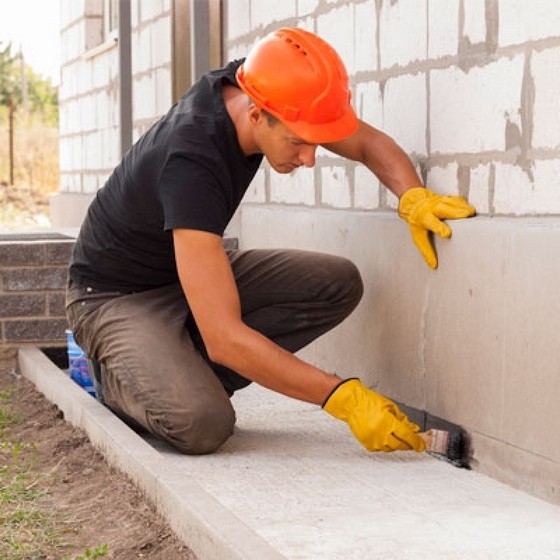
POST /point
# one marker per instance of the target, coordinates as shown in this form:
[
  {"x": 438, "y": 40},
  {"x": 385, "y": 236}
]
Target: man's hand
[
  {"x": 424, "y": 210},
  {"x": 377, "y": 422}
]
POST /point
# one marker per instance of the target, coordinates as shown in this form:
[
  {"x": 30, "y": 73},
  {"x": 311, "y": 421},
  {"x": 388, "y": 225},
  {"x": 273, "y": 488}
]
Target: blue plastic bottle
[{"x": 78, "y": 364}]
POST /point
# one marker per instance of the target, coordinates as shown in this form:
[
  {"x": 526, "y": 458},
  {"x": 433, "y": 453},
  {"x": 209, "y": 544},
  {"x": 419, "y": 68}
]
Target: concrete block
[
  {"x": 402, "y": 32},
  {"x": 257, "y": 189},
  {"x": 93, "y": 8},
  {"x": 27, "y": 305},
  {"x": 36, "y": 330},
  {"x": 335, "y": 187},
  {"x": 545, "y": 71},
  {"x": 34, "y": 278},
  {"x": 479, "y": 188},
  {"x": 404, "y": 112},
  {"x": 468, "y": 111},
  {"x": 100, "y": 69},
  {"x": 531, "y": 324},
  {"x": 161, "y": 41},
  {"x": 193, "y": 513},
  {"x": 337, "y": 28},
  {"x": 297, "y": 187},
  {"x": 366, "y": 189},
  {"x": 532, "y": 191},
  {"x": 368, "y": 104},
  {"x": 122, "y": 447},
  {"x": 144, "y": 89},
  {"x": 527, "y": 20},
  {"x": 264, "y": 12},
  {"x": 56, "y": 304},
  {"x": 365, "y": 39},
  {"x": 58, "y": 252},
  {"x": 443, "y": 28},
  {"x": 21, "y": 254},
  {"x": 443, "y": 180},
  {"x": 150, "y": 10},
  {"x": 92, "y": 32},
  {"x": 464, "y": 337},
  {"x": 474, "y": 27},
  {"x": 306, "y": 7},
  {"x": 525, "y": 471},
  {"x": 85, "y": 78},
  {"x": 163, "y": 91},
  {"x": 238, "y": 18}
]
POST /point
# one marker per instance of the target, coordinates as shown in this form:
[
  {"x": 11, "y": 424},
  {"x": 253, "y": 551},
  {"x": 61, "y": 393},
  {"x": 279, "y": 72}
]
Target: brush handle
[{"x": 436, "y": 441}]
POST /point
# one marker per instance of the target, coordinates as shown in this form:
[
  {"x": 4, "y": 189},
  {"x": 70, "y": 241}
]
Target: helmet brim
[{"x": 324, "y": 133}]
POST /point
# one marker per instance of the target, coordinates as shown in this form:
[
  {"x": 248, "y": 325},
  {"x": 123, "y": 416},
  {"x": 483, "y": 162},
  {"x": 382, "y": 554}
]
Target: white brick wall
[
  {"x": 461, "y": 84},
  {"x": 475, "y": 21},
  {"x": 264, "y": 12},
  {"x": 403, "y": 32},
  {"x": 443, "y": 39},
  {"x": 466, "y": 84},
  {"x": 404, "y": 112},
  {"x": 89, "y": 92},
  {"x": 528, "y": 20},
  {"x": 468, "y": 110},
  {"x": 295, "y": 188},
  {"x": 479, "y": 188},
  {"x": 516, "y": 193},
  {"x": 336, "y": 187},
  {"x": 545, "y": 70},
  {"x": 443, "y": 180}
]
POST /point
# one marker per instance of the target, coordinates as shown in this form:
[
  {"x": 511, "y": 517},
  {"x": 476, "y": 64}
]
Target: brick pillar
[{"x": 33, "y": 271}]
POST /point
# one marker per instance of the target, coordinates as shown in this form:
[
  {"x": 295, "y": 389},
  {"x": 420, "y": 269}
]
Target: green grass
[{"x": 28, "y": 532}]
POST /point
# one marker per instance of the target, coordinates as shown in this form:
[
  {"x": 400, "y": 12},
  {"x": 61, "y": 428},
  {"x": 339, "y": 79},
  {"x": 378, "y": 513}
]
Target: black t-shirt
[{"x": 187, "y": 171}]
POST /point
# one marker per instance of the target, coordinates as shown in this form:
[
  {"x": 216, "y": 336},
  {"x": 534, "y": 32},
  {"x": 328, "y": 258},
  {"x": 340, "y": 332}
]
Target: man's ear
[{"x": 254, "y": 113}]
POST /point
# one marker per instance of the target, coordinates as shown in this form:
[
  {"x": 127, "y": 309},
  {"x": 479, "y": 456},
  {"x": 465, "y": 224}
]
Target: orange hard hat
[{"x": 299, "y": 78}]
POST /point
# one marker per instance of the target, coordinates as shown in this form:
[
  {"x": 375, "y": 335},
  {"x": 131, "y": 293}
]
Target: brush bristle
[
  {"x": 452, "y": 446},
  {"x": 456, "y": 447}
]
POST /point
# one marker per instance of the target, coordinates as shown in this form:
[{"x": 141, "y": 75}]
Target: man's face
[{"x": 282, "y": 148}]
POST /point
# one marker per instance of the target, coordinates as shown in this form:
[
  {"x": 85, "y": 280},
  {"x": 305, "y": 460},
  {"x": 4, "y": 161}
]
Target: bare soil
[{"x": 98, "y": 504}]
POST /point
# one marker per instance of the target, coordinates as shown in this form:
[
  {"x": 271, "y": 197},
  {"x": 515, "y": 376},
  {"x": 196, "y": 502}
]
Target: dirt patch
[{"x": 97, "y": 505}]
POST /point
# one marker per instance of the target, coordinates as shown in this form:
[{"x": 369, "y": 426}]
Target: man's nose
[{"x": 307, "y": 155}]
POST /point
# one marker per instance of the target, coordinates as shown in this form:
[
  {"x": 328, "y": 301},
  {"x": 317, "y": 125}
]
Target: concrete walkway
[{"x": 292, "y": 483}]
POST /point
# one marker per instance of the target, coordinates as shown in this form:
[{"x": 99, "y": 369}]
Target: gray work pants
[{"x": 155, "y": 368}]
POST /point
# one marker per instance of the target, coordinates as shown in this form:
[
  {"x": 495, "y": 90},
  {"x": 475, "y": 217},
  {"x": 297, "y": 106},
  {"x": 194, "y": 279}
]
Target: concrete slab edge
[{"x": 198, "y": 519}]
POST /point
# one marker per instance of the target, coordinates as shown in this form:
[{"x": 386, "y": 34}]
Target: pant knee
[
  {"x": 349, "y": 287},
  {"x": 196, "y": 431}
]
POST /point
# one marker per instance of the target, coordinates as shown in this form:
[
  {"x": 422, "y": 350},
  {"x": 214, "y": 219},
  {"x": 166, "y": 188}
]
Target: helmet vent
[{"x": 296, "y": 45}]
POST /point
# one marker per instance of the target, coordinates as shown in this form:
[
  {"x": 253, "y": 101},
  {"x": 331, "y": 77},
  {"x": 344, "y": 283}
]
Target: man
[{"x": 178, "y": 323}]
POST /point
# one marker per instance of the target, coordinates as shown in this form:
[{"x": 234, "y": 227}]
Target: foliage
[
  {"x": 22, "y": 88},
  {"x": 28, "y": 142}
]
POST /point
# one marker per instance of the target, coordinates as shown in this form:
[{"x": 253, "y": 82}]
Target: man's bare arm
[
  {"x": 210, "y": 289},
  {"x": 381, "y": 155}
]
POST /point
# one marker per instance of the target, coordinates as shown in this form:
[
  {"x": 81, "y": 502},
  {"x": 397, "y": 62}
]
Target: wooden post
[{"x": 11, "y": 111}]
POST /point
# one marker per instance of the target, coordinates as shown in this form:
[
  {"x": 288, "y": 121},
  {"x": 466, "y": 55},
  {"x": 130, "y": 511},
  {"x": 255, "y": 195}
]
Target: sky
[{"x": 34, "y": 26}]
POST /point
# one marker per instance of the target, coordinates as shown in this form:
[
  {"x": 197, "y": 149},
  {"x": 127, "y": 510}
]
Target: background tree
[{"x": 29, "y": 163}]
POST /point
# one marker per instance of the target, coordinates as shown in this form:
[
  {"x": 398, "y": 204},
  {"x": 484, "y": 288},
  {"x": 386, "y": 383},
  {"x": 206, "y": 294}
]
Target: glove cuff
[
  {"x": 336, "y": 389},
  {"x": 409, "y": 199}
]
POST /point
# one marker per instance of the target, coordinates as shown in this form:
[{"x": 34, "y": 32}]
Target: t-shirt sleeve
[{"x": 192, "y": 195}]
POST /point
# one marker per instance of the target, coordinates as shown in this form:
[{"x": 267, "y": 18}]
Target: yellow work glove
[
  {"x": 377, "y": 422},
  {"x": 424, "y": 210}
]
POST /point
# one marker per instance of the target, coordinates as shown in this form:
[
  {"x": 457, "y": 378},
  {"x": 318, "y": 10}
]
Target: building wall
[
  {"x": 470, "y": 89},
  {"x": 89, "y": 93}
]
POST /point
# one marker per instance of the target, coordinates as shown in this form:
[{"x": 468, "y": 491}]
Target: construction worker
[{"x": 176, "y": 322}]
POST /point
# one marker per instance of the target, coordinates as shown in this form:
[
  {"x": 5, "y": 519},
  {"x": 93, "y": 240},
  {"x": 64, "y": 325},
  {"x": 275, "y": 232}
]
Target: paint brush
[{"x": 451, "y": 446}]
